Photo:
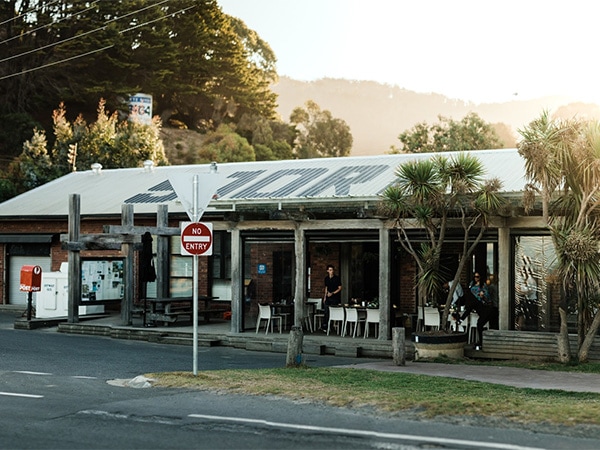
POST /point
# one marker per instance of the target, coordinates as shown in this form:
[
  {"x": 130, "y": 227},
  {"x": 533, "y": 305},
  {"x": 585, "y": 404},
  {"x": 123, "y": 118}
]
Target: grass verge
[{"x": 394, "y": 392}]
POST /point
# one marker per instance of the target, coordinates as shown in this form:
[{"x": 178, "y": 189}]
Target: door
[{"x": 15, "y": 296}]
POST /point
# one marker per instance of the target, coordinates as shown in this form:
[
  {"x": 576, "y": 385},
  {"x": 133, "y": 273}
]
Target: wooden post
[
  {"x": 128, "y": 279},
  {"x": 294, "y": 350},
  {"x": 300, "y": 291},
  {"x": 74, "y": 259},
  {"x": 398, "y": 348},
  {"x": 504, "y": 279},
  {"x": 386, "y": 312},
  {"x": 162, "y": 252},
  {"x": 237, "y": 297}
]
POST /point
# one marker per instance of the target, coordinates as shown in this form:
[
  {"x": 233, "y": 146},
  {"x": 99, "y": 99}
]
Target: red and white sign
[{"x": 196, "y": 238}]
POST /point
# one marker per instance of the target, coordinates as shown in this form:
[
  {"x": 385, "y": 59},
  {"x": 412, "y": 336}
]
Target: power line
[
  {"x": 48, "y": 25},
  {"x": 93, "y": 51},
  {"x": 78, "y": 36},
  {"x": 56, "y": 62},
  {"x": 54, "y": 44},
  {"x": 28, "y": 12}
]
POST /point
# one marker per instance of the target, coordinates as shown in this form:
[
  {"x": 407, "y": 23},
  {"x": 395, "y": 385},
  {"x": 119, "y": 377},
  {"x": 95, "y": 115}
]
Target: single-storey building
[{"x": 276, "y": 226}]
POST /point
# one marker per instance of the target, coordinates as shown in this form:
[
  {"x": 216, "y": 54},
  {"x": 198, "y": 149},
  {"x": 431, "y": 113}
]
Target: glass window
[
  {"x": 181, "y": 276},
  {"x": 536, "y": 290},
  {"x": 221, "y": 268}
]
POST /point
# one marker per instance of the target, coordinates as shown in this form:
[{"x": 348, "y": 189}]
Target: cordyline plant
[
  {"x": 562, "y": 163},
  {"x": 430, "y": 194}
]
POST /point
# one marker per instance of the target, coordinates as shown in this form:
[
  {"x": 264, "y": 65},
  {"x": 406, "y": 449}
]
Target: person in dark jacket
[{"x": 331, "y": 296}]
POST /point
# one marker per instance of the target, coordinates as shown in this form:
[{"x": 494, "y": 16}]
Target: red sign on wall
[{"x": 196, "y": 238}]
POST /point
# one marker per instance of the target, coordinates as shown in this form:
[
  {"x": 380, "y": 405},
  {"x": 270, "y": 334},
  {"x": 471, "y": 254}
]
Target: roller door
[{"x": 15, "y": 296}]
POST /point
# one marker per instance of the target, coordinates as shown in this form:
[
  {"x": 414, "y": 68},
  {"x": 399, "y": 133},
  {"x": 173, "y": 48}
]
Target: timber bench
[
  {"x": 171, "y": 310},
  {"x": 505, "y": 344},
  {"x": 533, "y": 345}
]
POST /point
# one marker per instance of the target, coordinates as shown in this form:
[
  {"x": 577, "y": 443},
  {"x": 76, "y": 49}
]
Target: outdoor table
[
  {"x": 167, "y": 310},
  {"x": 284, "y": 310}
]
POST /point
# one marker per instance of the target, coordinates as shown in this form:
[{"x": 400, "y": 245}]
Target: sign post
[
  {"x": 196, "y": 238},
  {"x": 195, "y": 280}
]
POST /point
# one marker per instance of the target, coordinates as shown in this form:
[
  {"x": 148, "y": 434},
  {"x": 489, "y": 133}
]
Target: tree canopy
[
  {"x": 319, "y": 133},
  {"x": 448, "y": 135},
  {"x": 562, "y": 162},
  {"x": 107, "y": 141},
  {"x": 202, "y": 66}
]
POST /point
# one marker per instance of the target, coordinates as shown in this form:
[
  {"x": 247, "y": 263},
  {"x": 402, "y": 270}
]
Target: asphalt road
[{"x": 60, "y": 391}]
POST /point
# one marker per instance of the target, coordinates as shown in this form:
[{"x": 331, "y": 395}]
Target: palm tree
[
  {"x": 430, "y": 193},
  {"x": 563, "y": 165}
]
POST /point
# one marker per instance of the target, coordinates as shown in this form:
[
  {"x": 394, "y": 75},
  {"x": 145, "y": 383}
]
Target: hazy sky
[{"x": 476, "y": 50}]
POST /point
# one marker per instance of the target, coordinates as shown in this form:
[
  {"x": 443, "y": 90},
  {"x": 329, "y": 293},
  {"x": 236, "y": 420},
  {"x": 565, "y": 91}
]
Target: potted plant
[{"x": 434, "y": 193}]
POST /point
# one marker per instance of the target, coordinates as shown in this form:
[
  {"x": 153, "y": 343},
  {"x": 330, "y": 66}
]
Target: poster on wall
[{"x": 101, "y": 279}]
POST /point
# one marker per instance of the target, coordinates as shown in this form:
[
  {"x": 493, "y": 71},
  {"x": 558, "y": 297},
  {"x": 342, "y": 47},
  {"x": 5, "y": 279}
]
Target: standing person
[
  {"x": 479, "y": 289},
  {"x": 332, "y": 295},
  {"x": 493, "y": 291}
]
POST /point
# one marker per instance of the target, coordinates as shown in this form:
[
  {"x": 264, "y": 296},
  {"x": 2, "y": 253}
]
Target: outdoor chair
[
  {"x": 314, "y": 312},
  {"x": 372, "y": 317},
  {"x": 337, "y": 316},
  {"x": 432, "y": 319},
  {"x": 472, "y": 326},
  {"x": 355, "y": 318},
  {"x": 266, "y": 313}
]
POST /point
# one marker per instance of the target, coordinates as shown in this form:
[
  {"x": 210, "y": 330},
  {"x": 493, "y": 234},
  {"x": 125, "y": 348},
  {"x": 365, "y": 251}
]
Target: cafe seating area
[
  {"x": 429, "y": 319},
  {"x": 352, "y": 320}
]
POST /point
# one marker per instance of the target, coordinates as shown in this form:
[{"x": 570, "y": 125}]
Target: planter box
[{"x": 429, "y": 346}]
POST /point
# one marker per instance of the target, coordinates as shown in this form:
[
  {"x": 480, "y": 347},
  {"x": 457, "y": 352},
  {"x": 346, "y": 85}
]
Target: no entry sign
[{"x": 196, "y": 238}]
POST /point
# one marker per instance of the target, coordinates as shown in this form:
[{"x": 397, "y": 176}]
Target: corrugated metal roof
[{"x": 297, "y": 181}]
